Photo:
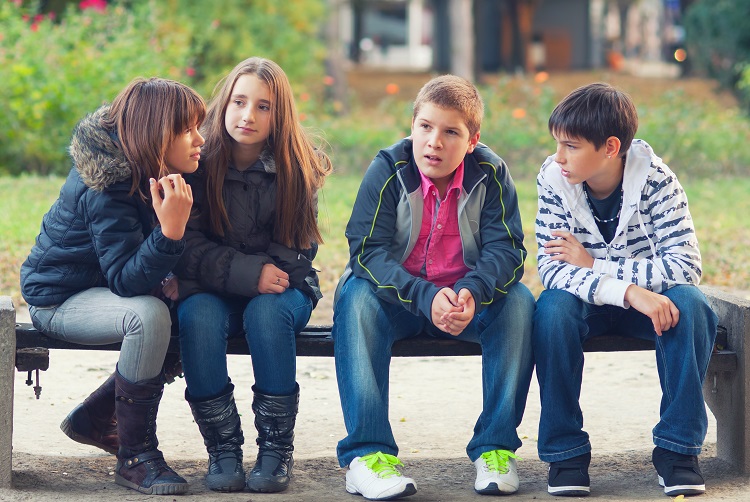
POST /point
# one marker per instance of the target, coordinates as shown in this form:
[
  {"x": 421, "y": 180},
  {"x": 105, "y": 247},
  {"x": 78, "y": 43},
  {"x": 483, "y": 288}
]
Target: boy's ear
[
  {"x": 473, "y": 143},
  {"x": 612, "y": 147}
]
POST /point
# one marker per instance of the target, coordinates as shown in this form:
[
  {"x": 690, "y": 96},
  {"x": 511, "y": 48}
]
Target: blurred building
[{"x": 478, "y": 36}]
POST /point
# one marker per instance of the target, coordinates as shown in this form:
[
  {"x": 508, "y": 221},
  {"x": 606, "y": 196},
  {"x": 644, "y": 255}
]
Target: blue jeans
[
  {"x": 364, "y": 330},
  {"x": 97, "y": 316},
  {"x": 269, "y": 323},
  {"x": 563, "y": 322}
]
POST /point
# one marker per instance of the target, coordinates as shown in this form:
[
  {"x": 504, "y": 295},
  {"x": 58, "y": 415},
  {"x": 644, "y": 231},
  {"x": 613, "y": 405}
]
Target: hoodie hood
[
  {"x": 640, "y": 165},
  {"x": 96, "y": 152}
]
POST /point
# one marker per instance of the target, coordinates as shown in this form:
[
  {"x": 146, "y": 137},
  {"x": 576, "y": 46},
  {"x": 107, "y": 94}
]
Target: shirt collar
[{"x": 456, "y": 182}]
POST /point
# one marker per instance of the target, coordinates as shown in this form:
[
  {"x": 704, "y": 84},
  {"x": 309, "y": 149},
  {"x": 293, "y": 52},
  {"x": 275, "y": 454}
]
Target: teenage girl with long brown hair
[{"x": 247, "y": 270}]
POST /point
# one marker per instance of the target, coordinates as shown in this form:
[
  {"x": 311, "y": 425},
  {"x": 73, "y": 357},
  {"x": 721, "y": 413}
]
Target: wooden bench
[{"x": 726, "y": 390}]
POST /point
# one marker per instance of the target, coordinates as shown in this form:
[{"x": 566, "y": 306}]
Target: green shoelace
[
  {"x": 382, "y": 464},
  {"x": 497, "y": 460}
]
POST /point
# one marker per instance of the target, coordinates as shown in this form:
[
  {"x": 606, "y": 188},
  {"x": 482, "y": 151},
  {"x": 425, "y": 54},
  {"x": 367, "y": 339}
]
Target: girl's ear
[{"x": 612, "y": 147}]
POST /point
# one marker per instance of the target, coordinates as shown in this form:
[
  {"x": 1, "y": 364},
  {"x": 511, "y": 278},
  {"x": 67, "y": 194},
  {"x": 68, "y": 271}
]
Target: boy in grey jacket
[
  {"x": 436, "y": 246},
  {"x": 617, "y": 253}
]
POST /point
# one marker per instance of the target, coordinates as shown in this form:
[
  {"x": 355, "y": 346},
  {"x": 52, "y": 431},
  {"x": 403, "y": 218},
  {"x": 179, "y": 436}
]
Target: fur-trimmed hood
[
  {"x": 96, "y": 152},
  {"x": 269, "y": 163}
]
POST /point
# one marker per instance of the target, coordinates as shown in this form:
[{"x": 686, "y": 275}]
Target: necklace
[{"x": 593, "y": 211}]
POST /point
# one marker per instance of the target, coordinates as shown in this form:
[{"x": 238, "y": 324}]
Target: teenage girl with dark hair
[{"x": 115, "y": 232}]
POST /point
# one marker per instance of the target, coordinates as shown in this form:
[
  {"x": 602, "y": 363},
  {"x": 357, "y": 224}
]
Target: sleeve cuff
[
  {"x": 611, "y": 291},
  {"x": 167, "y": 245}
]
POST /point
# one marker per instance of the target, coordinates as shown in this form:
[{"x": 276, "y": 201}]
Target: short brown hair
[
  {"x": 594, "y": 112},
  {"x": 455, "y": 93}
]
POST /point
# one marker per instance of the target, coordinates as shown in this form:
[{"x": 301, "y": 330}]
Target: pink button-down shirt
[{"x": 438, "y": 254}]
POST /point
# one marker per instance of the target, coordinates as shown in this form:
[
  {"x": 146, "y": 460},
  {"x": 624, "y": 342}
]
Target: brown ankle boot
[
  {"x": 140, "y": 465},
  {"x": 93, "y": 422}
]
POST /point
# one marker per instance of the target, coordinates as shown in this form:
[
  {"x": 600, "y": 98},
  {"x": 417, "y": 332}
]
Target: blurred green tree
[
  {"x": 57, "y": 66},
  {"x": 718, "y": 38},
  {"x": 225, "y": 32}
]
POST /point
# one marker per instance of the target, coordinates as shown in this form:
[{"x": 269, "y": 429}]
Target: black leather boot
[
  {"x": 220, "y": 427},
  {"x": 93, "y": 422},
  {"x": 140, "y": 465},
  {"x": 275, "y": 417}
]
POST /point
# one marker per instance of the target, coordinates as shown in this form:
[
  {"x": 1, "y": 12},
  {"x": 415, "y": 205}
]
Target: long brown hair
[
  {"x": 300, "y": 167},
  {"x": 147, "y": 116}
]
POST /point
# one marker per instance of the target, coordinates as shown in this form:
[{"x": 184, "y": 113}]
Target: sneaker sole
[
  {"x": 67, "y": 428},
  {"x": 409, "y": 489},
  {"x": 569, "y": 491},
  {"x": 682, "y": 489},
  {"x": 494, "y": 489}
]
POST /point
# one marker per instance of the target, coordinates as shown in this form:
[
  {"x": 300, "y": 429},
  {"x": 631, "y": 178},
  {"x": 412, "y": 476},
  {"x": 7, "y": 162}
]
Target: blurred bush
[
  {"x": 55, "y": 72},
  {"x": 57, "y": 66},
  {"x": 224, "y": 32},
  {"x": 718, "y": 38}
]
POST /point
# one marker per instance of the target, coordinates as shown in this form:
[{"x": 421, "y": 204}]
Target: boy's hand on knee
[
  {"x": 445, "y": 302},
  {"x": 660, "y": 309}
]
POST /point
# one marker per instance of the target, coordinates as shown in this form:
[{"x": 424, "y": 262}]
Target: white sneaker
[
  {"x": 497, "y": 473},
  {"x": 376, "y": 477}
]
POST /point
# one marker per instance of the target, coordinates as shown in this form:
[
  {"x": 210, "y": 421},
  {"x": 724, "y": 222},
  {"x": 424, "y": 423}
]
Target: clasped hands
[{"x": 451, "y": 311}]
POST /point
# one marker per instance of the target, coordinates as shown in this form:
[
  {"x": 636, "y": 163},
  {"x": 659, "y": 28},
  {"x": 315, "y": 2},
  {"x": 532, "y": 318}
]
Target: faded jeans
[
  {"x": 97, "y": 316},
  {"x": 563, "y": 322},
  {"x": 364, "y": 330}
]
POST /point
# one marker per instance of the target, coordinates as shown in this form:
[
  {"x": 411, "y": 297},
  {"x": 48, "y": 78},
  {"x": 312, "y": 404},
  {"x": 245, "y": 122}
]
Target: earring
[{"x": 609, "y": 156}]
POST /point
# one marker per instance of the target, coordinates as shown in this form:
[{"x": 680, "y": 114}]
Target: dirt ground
[{"x": 434, "y": 404}]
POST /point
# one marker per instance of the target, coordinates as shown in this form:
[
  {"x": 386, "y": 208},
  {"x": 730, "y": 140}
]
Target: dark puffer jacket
[
  {"x": 231, "y": 265},
  {"x": 95, "y": 234}
]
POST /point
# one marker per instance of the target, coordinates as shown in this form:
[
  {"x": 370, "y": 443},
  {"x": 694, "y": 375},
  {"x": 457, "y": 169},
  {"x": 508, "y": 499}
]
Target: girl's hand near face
[
  {"x": 172, "y": 199},
  {"x": 272, "y": 280}
]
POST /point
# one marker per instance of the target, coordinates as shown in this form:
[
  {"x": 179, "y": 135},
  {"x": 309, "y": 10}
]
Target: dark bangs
[{"x": 595, "y": 112}]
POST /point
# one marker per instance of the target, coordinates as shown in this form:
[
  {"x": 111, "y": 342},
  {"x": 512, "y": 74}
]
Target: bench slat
[{"x": 315, "y": 340}]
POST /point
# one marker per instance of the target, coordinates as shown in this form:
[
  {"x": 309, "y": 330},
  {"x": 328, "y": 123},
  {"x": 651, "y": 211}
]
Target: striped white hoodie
[{"x": 654, "y": 247}]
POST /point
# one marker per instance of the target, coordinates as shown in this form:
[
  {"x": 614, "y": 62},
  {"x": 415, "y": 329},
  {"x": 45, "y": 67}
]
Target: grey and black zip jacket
[{"x": 387, "y": 216}]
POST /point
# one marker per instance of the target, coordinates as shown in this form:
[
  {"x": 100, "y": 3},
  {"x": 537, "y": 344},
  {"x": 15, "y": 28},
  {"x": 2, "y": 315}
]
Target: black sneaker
[
  {"x": 679, "y": 474},
  {"x": 570, "y": 477}
]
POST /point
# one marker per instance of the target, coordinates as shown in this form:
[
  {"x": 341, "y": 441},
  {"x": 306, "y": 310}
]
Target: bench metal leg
[
  {"x": 7, "y": 379},
  {"x": 728, "y": 394}
]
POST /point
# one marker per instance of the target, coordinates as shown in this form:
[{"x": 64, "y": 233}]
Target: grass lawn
[{"x": 719, "y": 208}]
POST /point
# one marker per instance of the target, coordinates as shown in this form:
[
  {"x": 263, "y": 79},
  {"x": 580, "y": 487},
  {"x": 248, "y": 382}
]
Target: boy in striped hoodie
[{"x": 617, "y": 253}]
